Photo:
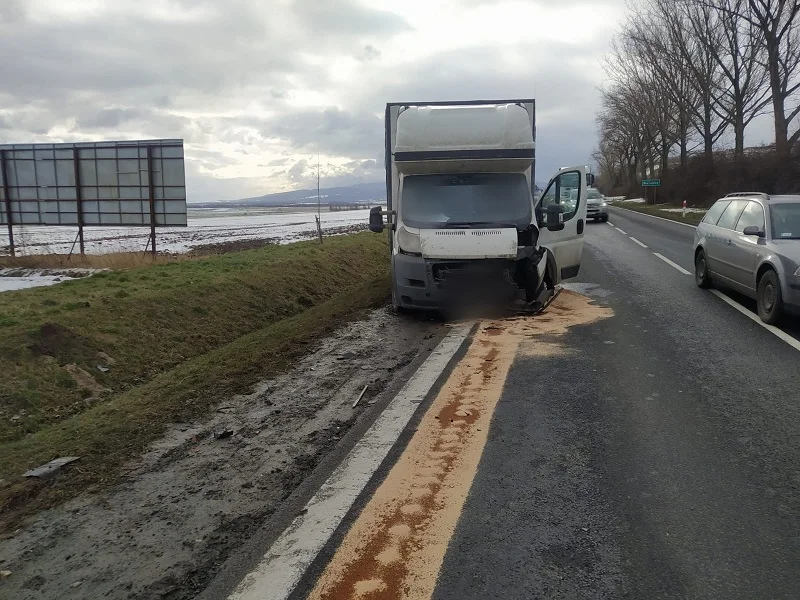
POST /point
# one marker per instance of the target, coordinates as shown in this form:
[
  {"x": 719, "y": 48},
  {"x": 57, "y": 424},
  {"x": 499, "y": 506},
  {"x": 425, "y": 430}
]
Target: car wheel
[
  {"x": 701, "y": 277},
  {"x": 604, "y": 219},
  {"x": 770, "y": 299}
]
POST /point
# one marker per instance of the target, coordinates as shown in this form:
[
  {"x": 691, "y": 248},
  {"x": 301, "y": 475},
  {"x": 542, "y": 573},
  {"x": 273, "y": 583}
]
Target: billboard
[{"x": 126, "y": 183}]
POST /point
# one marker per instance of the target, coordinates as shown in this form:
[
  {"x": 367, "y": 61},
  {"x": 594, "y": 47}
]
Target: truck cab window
[{"x": 564, "y": 190}]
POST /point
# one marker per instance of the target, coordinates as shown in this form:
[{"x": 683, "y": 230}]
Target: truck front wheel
[{"x": 528, "y": 279}]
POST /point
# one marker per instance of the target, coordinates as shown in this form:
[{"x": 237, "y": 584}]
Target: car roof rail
[{"x": 762, "y": 195}]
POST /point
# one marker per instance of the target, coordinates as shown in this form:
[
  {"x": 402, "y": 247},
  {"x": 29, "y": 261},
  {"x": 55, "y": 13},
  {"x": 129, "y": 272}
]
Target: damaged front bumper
[{"x": 430, "y": 284}]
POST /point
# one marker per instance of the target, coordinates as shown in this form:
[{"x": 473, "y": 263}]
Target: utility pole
[{"x": 319, "y": 206}]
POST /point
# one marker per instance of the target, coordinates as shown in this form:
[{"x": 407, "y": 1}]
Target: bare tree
[
  {"x": 659, "y": 37},
  {"x": 779, "y": 24},
  {"x": 737, "y": 47}
]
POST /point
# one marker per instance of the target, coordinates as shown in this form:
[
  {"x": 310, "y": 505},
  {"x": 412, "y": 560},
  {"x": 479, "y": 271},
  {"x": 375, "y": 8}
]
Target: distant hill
[{"x": 352, "y": 194}]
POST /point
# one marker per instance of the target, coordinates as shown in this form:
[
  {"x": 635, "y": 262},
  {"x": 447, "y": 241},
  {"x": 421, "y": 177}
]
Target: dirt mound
[
  {"x": 230, "y": 246},
  {"x": 61, "y": 343}
]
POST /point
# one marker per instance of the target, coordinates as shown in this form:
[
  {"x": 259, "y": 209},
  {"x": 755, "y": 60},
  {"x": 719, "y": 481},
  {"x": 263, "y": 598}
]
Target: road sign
[{"x": 651, "y": 183}]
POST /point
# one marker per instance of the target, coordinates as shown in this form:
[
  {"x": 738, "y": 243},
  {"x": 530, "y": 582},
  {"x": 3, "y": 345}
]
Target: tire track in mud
[{"x": 396, "y": 546}]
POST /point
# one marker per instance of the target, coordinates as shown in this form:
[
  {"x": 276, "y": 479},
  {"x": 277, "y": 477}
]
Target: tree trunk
[
  {"x": 708, "y": 137},
  {"x": 738, "y": 129},
  {"x": 778, "y": 100},
  {"x": 684, "y": 140}
]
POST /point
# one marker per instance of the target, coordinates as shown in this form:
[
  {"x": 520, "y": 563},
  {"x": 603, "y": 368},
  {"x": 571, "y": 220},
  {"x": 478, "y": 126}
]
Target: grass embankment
[
  {"x": 97, "y": 367},
  {"x": 691, "y": 218}
]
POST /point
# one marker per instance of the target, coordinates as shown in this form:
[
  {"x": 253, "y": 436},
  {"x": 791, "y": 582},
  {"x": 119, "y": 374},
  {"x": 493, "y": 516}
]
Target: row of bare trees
[{"x": 688, "y": 76}]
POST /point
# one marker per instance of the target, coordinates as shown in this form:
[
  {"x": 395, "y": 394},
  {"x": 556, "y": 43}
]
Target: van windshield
[{"x": 466, "y": 199}]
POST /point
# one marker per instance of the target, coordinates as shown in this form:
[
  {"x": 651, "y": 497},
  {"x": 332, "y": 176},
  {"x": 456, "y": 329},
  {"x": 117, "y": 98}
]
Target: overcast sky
[{"x": 257, "y": 88}]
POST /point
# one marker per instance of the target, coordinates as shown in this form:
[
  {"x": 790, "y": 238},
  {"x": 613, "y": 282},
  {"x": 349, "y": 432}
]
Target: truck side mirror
[
  {"x": 590, "y": 179},
  {"x": 376, "y": 219},
  {"x": 555, "y": 217}
]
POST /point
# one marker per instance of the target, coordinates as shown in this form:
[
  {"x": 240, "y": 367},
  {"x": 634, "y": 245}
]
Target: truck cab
[{"x": 463, "y": 222}]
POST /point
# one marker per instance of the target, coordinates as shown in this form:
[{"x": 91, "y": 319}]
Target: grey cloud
[
  {"x": 347, "y": 18},
  {"x": 278, "y": 162},
  {"x": 108, "y": 118},
  {"x": 369, "y": 53},
  {"x": 329, "y": 131},
  {"x": 297, "y": 172},
  {"x": 12, "y": 11}
]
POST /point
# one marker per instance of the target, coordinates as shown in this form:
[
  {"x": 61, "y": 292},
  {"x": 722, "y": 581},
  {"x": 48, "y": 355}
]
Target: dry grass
[
  {"x": 124, "y": 328},
  {"x": 118, "y": 261}
]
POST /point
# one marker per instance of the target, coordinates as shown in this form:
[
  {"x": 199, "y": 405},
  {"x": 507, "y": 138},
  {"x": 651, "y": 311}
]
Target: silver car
[
  {"x": 750, "y": 242},
  {"x": 596, "y": 207}
]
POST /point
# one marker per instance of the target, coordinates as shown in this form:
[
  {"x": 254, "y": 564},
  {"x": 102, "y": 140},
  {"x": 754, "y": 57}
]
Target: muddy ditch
[{"x": 202, "y": 490}]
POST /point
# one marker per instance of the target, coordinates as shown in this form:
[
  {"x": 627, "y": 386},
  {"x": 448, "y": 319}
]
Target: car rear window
[
  {"x": 731, "y": 214},
  {"x": 713, "y": 215}
]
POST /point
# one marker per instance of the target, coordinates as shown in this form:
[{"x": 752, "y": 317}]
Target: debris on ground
[
  {"x": 360, "y": 396},
  {"x": 106, "y": 358},
  {"x": 51, "y": 468},
  {"x": 84, "y": 380},
  {"x": 221, "y": 435}
]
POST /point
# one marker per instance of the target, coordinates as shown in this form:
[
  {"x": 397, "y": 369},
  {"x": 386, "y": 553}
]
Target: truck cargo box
[{"x": 455, "y": 139}]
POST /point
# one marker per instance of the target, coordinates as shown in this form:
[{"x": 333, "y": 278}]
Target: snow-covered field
[{"x": 206, "y": 226}]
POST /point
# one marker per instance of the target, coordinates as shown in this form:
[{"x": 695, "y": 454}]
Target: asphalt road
[{"x": 658, "y": 458}]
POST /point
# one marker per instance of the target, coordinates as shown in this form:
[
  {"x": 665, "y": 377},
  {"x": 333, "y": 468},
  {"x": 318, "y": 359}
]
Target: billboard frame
[{"x": 149, "y": 215}]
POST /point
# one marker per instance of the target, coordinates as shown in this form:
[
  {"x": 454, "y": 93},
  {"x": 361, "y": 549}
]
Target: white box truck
[{"x": 463, "y": 223}]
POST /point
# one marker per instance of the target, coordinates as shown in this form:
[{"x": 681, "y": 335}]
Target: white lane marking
[
  {"x": 672, "y": 264},
  {"x": 655, "y": 217},
  {"x": 771, "y": 328},
  {"x": 622, "y": 232},
  {"x": 633, "y": 239},
  {"x": 610, "y": 224},
  {"x": 288, "y": 559}
]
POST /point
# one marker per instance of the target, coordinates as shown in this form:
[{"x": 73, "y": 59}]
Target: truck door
[{"x": 568, "y": 188}]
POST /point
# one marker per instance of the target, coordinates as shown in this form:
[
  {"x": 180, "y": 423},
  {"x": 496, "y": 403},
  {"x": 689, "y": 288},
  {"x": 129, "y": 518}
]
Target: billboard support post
[
  {"x": 152, "y": 195},
  {"x": 78, "y": 200},
  {"x": 8, "y": 202}
]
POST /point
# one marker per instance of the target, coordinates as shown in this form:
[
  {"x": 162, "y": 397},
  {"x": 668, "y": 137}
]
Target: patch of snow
[
  {"x": 700, "y": 211},
  {"x": 20, "y": 279},
  {"x": 206, "y": 226}
]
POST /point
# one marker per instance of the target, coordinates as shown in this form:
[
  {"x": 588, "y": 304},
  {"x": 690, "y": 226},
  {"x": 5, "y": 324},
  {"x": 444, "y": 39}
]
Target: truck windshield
[{"x": 442, "y": 200}]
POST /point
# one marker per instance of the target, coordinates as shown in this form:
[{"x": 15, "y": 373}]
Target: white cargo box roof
[{"x": 475, "y": 128}]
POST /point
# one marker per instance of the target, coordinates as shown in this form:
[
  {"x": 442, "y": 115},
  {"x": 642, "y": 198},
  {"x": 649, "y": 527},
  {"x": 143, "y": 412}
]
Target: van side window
[
  {"x": 713, "y": 215},
  {"x": 753, "y": 215},
  {"x": 731, "y": 214}
]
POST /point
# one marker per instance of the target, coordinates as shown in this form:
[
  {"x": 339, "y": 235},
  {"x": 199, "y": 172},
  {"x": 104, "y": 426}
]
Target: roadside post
[
  {"x": 684, "y": 209},
  {"x": 651, "y": 183}
]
